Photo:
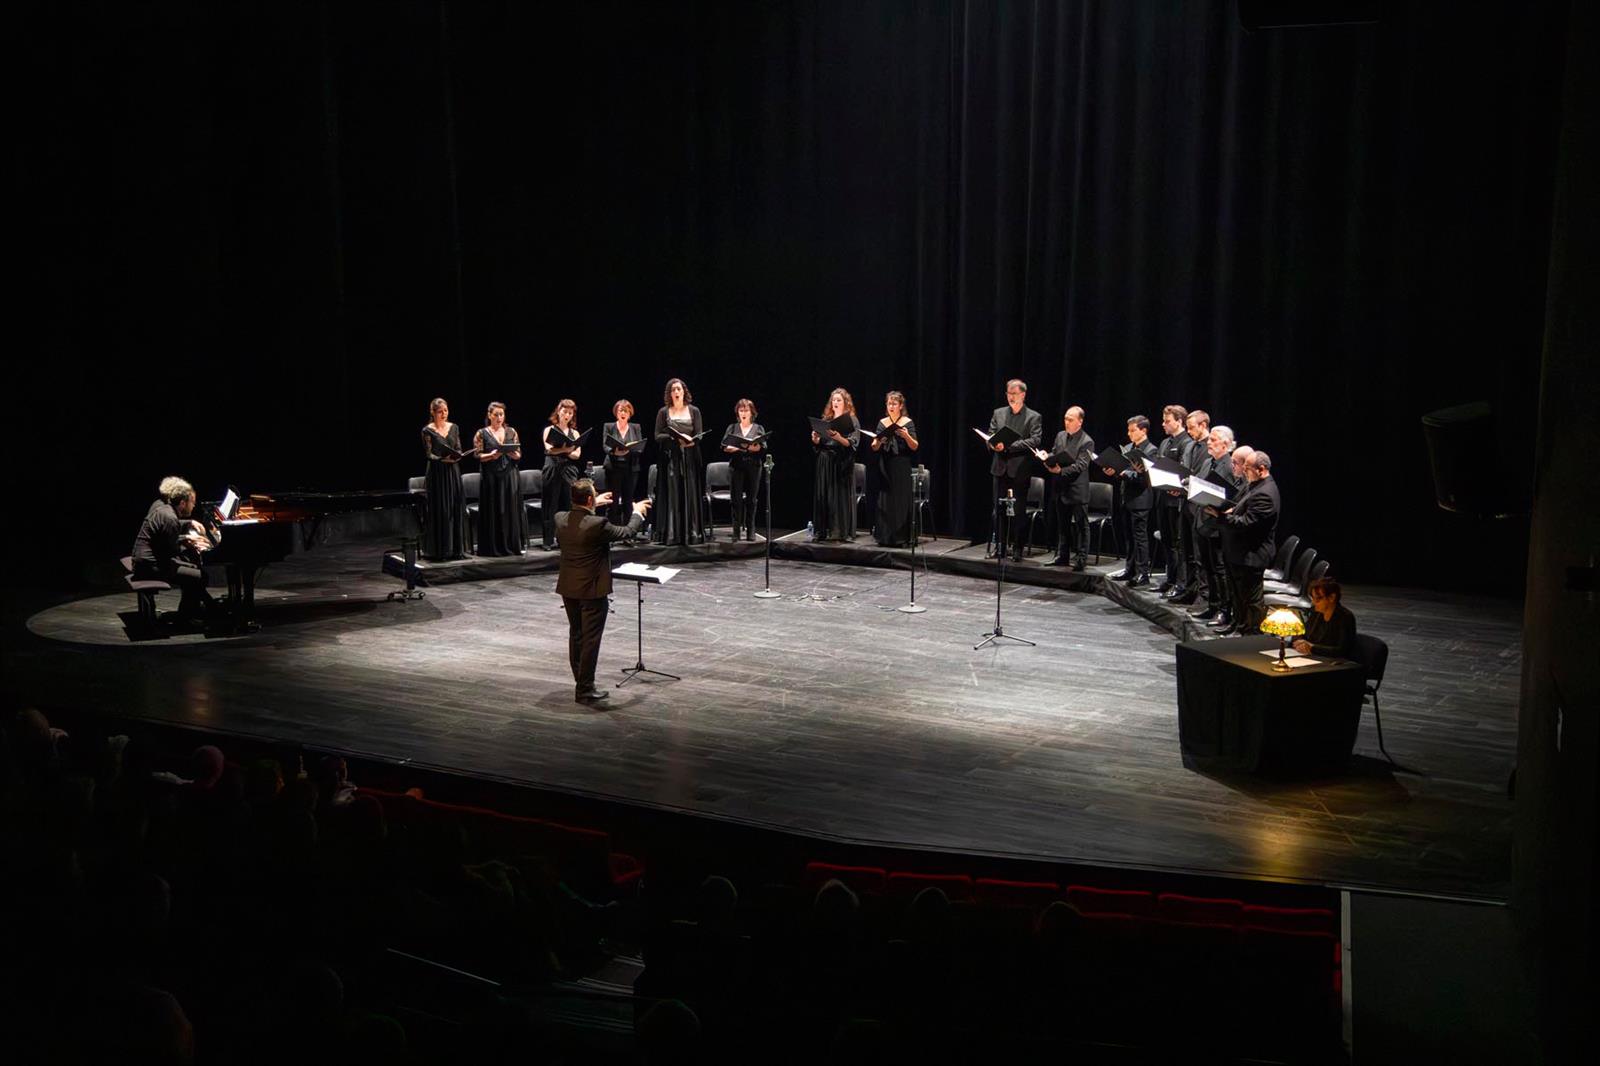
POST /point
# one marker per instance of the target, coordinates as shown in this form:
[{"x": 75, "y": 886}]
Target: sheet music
[
  {"x": 1164, "y": 479},
  {"x": 987, "y": 437},
  {"x": 229, "y": 502},
  {"x": 640, "y": 572}
]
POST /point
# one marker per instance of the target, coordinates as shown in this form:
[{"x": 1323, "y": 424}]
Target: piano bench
[{"x": 146, "y": 591}]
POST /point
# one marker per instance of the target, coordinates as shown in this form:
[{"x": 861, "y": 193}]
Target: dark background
[{"x": 257, "y": 238}]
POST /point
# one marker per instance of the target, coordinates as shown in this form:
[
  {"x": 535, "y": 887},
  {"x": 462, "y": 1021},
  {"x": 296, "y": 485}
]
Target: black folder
[
  {"x": 557, "y": 439},
  {"x": 613, "y": 443},
  {"x": 842, "y": 424},
  {"x": 1004, "y": 435},
  {"x": 1113, "y": 460},
  {"x": 733, "y": 440}
]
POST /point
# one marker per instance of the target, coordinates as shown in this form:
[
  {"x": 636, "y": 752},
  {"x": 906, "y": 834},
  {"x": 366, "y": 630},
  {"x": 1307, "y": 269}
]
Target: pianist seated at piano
[{"x": 169, "y": 544}]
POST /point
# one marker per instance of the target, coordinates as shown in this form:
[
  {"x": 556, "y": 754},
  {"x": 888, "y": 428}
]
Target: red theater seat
[
  {"x": 956, "y": 887},
  {"x": 862, "y": 879},
  {"x": 1095, "y": 901},
  {"x": 1291, "y": 919},
  {"x": 1174, "y": 907},
  {"x": 995, "y": 892}
]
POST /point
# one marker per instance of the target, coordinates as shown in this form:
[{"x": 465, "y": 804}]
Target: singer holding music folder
[
  {"x": 444, "y": 532},
  {"x": 744, "y": 443},
  {"x": 1009, "y": 461},
  {"x": 833, "y": 494},
  {"x": 584, "y": 580},
  {"x": 563, "y": 465},
  {"x": 502, "y": 522},
  {"x": 624, "y": 444},
  {"x": 894, "y": 439},
  {"x": 680, "y": 514}
]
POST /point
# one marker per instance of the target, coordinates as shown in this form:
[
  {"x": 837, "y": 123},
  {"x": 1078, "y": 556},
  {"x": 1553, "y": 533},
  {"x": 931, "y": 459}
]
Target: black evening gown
[
  {"x": 833, "y": 496},
  {"x": 502, "y": 524},
  {"x": 893, "y": 526},
  {"x": 679, "y": 516},
  {"x": 679, "y": 512},
  {"x": 444, "y": 533},
  {"x": 622, "y": 472}
]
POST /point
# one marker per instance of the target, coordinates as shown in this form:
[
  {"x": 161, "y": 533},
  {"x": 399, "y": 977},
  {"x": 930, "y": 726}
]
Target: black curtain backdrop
[{"x": 257, "y": 238}]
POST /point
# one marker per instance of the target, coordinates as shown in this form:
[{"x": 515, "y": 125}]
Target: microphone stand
[
  {"x": 766, "y": 593},
  {"x": 916, "y": 538},
  {"x": 997, "y": 634}
]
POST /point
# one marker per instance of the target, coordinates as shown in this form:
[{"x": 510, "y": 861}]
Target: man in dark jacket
[
  {"x": 1249, "y": 541},
  {"x": 1169, "y": 502},
  {"x": 1008, "y": 466},
  {"x": 1197, "y": 461},
  {"x": 168, "y": 546},
  {"x": 1137, "y": 500},
  {"x": 1072, "y": 489},
  {"x": 584, "y": 581},
  {"x": 1220, "y": 451}
]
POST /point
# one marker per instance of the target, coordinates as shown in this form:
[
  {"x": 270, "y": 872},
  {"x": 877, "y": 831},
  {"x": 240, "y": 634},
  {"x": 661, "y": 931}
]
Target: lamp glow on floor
[{"x": 1283, "y": 624}]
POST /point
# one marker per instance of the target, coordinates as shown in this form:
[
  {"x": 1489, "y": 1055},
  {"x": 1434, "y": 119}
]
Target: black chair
[
  {"x": 1373, "y": 654},
  {"x": 530, "y": 486},
  {"x": 861, "y": 494},
  {"x": 1303, "y": 602},
  {"x": 597, "y": 474},
  {"x": 144, "y": 590},
  {"x": 1100, "y": 504},
  {"x": 719, "y": 489},
  {"x": 1298, "y": 576},
  {"x": 922, "y": 497},
  {"x": 1033, "y": 510},
  {"x": 1281, "y": 561},
  {"x": 417, "y": 484}
]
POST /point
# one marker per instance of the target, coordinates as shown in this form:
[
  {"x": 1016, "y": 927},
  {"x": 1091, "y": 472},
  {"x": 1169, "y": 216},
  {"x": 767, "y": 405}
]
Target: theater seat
[
  {"x": 870, "y": 880},
  {"x": 1088, "y": 900}
]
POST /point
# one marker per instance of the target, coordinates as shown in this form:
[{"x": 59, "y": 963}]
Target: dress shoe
[
  {"x": 1221, "y": 621},
  {"x": 1185, "y": 599},
  {"x": 1206, "y": 615},
  {"x": 1142, "y": 581},
  {"x": 1060, "y": 560},
  {"x": 1079, "y": 565},
  {"x": 592, "y": 695},
  {"x": 1122, "y": 575},
  {"x": 1164, "y": 588},
  {"x": 1229, "y": 631}
]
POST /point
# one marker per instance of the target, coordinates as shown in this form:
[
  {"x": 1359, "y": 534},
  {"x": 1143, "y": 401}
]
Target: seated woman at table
[{"x": 1330, "y": 627}]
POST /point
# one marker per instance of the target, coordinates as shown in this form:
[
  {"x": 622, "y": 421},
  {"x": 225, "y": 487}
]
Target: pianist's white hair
[{"x": 175, "y": 490}]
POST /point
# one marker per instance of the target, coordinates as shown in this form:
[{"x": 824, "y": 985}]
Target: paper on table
[
  {"x": 1295, "y": 664},
  {"x": 1288, "y": 653}
]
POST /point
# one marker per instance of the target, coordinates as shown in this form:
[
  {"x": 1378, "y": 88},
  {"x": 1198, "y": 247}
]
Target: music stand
[
  {"x": 641, "y": 575},
  {"x": 766, "y": 593},
  {"x": 1005, "y": 508},
  {"x": 919, "y": 491}
]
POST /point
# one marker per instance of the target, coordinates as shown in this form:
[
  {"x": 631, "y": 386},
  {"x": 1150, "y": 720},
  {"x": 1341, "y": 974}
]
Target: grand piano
[{"x": 268, "y": 528}]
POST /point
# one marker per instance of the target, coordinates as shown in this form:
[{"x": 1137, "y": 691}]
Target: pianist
[{"x": 169, "y": 544}]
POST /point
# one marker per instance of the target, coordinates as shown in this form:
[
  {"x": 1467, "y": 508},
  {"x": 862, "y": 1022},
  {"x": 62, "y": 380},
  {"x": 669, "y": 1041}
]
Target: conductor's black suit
[{"x": 584, "y": 583}]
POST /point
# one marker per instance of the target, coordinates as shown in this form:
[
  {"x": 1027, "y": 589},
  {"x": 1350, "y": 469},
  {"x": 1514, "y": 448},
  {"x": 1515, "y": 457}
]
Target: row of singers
[{"x": 678, "y": 432}]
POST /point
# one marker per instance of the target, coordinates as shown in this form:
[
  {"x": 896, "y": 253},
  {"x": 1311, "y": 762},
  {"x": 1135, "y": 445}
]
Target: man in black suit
[
  {"x": 1218, "y": 610},
  {"x": 1008, "y": 467},
  {"x": 1169, "y": 502},
  {"x": 1137, "y": 500},
  {"x": 585, "y": 578},
  {"x": 1072, "y": 489},
  {"x": 1197, "y": 461},
  {"x": 168, "y": 548},
  {"x": 1249, "y": 540}
]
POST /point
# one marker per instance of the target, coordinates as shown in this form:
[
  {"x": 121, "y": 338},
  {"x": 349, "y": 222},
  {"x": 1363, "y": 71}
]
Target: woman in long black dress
[
  {"x": 502, "y": 526},
  {"x": 562, "y": 466},
  {"x": 444, "y": 533},
  {"x": 744, "y": 467},
  {"x": 833, "y": 497},
  {"x": 679, "y": 498},
  {"x": 622, "y": 464},
  {"x": 896, "y": 440}
]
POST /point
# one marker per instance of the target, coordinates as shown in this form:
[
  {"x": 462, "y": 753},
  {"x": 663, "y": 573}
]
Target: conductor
[{"x": 585, "y": 578}]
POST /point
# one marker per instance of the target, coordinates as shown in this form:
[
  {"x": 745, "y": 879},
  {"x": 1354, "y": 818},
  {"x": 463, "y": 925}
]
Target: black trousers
[
  {"x": 1072, "y": 526},
  {"x": 1014, "y": 527},
  {"x": 184, "y": 574},
  {"x": 557, "y": 496},
  {"x": 1195, "y": 576},
  {"x": 744, "y": 485},
  {"x": 622, "y": 479},
  {"x": 1139, "y": 546},
  {"x": 1249, "y": 602},
  {"x": 1210, "y": 549},
  {"x": 586, "y": 622},
  {"x": 1169, "y": 520}
]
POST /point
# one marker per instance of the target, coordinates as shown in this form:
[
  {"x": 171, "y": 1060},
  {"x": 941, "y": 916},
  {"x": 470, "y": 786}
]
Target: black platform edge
[
  {"x": 538, "y": 561},
  {"x": 947, "y": 557}
]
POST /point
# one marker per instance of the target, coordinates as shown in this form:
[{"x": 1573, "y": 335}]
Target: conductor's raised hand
[
  {"x": 640, "y": 507},
  {"x": 602, "y": 500}
]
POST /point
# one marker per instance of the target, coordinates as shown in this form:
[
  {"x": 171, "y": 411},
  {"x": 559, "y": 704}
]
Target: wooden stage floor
[{"x": 827, "y": 712}]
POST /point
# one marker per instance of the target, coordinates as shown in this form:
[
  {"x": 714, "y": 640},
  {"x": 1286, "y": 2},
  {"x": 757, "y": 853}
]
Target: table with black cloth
[{"x": 1235, "y": 712}]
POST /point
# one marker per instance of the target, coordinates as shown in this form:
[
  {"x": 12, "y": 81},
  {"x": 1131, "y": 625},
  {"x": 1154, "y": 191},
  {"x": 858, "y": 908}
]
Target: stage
[{"x": 827, "y": 712}]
